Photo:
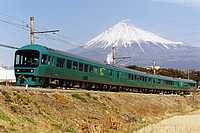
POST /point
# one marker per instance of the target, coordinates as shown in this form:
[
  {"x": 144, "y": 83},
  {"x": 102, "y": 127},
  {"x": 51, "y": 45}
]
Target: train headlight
[
  {"x": 32, "y": 70},
  {"x": 17, "y": 70}
]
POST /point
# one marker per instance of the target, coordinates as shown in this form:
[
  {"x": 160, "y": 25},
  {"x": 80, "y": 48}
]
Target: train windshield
[{"x": 27, "y": 58}]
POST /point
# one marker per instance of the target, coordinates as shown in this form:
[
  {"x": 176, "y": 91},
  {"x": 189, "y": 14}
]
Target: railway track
[{"x": 79, "y": 90}]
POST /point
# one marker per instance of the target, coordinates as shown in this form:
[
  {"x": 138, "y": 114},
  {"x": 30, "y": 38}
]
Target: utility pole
[
  {"x": 114, "y": 55},
  {"x": 116, "y": 58},
  {"x": 33, "y": 32},
  {"x": 6, "y": 76},
  {"x": 154, "y": 67},
  {"x": 32, "y": 25},
  {"x": 188, "y": 74}
]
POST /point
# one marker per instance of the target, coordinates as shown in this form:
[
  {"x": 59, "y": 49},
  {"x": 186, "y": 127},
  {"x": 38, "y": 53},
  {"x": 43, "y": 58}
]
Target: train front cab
[{"x": 26, "y": 64}]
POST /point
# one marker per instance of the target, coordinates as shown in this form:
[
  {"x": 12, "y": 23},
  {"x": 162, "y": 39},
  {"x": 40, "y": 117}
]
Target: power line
[
  {"x": 72, "y": 42},
  {"x": 58, "y": 37},
  {"x": 19, "y": 24},
  {"x": 8, "y": 46},
  {"x": 14, "y": 18},
  {"x": 62, "y": 39},
  {"x": 24, "y": 26},
  {"x": 14, "y": 24}
]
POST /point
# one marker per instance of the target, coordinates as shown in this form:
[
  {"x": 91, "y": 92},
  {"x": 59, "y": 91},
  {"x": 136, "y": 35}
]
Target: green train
[{"x": 38, "y": 65}]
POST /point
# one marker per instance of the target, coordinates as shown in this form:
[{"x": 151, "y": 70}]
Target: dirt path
[{"x": 178, "y": 124}]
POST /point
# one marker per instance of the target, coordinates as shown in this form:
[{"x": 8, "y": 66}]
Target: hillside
[{"x": 73, "y": 111}]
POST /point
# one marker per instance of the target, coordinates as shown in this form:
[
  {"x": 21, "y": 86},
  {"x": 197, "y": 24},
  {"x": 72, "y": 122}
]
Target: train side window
[
  {"x": 86, "y": 68},
  {"x": 17, "y": 61},
  {"x": 91, "y": 69},
  {"x": 141, "y": 78},
  {"x": 149, "y": 79},
  {"x": 159, "y": 81},
  {"x": 49, "y": 60},
  {"x": 118, "y": 75},
  {"x": 137, "y": 77},
  {"x": 134, "y": 77},
  {"x": 52, "y": 59},
  {"x": 60, "y": 62},
  {"x": 44, "y": 59},
  {"x": 167, "y": 82},
  {"x": 145, "y": 79},
  {"x": 111, "y": 72},
  {"x": 75, "y": 65},
  {"x": 21, "y": 59},
  {"x": 69, "y": 64},
  {"x": 95, "y": 69},
  {"x": 129, "y": 76},
  {"x": 81, "y": 67},
  {"x": 192, "y": 84}
]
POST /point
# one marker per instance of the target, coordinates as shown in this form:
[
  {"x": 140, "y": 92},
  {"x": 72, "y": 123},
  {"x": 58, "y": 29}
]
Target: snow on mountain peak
[{"x": 124, "y": 35}]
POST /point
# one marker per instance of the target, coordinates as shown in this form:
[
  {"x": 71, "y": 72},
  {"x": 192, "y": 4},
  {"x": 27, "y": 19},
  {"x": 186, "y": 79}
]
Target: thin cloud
[{"x": 183, "y": 2}]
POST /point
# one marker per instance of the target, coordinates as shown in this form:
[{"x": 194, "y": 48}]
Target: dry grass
[{"x": 37, "y": 111}]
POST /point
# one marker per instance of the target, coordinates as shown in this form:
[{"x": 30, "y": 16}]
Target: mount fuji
[{"x": 142, "y": 46}]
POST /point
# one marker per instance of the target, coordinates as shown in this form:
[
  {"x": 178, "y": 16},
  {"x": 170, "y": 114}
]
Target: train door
[
  {"x": 50, "y": 63},
  {"x": 54, "y": 69},
  {"x": 117, "y": 76}
]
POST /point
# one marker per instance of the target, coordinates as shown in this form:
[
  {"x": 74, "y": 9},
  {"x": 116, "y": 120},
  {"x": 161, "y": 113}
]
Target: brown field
[{"x": 78, "y": 111}]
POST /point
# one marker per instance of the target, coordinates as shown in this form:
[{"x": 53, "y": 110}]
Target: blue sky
[{"x": 81, "y": 20}]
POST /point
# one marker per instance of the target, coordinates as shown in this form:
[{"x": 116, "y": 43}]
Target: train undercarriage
[{"x": 73, "y": 84}]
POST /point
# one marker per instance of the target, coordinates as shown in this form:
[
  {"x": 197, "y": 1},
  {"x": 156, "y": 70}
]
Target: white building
[{"x": 7, "y": 75}]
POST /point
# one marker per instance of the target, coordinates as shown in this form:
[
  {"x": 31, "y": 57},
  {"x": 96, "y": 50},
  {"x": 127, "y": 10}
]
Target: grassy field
[{"x": 82, "y": 111}]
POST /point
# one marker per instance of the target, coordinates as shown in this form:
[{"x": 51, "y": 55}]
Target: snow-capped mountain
[
  {"x": 125, "y": 35},
  {"x": 142, "y": 46}
]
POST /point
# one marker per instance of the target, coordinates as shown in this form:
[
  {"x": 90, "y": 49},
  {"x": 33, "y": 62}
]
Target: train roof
[{"x": 44, "y": 48}]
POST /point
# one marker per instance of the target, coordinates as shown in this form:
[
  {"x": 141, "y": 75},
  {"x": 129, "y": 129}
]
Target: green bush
[
  {"x": 79, "y": 97},
  {"x": 3, "y": 116},
  {"x": 71, "y": 130}
]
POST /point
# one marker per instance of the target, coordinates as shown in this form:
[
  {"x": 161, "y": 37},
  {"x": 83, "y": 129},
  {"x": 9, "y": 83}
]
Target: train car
[{"x": 37, "y": 65}]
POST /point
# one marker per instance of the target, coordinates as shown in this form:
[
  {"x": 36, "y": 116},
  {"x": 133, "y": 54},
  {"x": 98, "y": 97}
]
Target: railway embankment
[{"x": 38, "y": 110}]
